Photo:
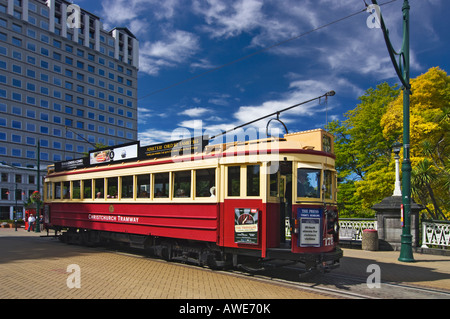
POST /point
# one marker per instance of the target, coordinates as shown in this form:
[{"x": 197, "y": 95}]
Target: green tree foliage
[
  {"x": 363, "y": 145},
  {"x": 362, "y": 152},
  {"x": 430, "y": 139}
]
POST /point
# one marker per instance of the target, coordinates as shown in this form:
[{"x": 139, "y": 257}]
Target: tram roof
[{"x": 317, "y": 141}]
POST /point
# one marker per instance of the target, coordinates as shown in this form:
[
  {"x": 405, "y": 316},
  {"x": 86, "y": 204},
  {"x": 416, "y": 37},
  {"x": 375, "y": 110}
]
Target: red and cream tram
[{"x": 215, "y": 205}]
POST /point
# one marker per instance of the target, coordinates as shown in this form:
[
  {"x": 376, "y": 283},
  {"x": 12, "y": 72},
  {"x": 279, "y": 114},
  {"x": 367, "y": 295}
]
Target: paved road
[{"x": 36, "y": 267}]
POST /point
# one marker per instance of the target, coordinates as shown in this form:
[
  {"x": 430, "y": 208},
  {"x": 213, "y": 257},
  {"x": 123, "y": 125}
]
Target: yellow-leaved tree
[{"x": 430, "y": 139}]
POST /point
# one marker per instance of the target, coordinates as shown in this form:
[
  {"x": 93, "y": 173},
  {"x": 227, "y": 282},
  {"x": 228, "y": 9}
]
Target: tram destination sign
[{"x": 187, "y": 146}]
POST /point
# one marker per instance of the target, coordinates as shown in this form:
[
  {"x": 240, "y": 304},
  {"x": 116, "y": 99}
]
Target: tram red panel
[
  {"x": 186, "y": 221},
  {"x": 268, "y": 223}
]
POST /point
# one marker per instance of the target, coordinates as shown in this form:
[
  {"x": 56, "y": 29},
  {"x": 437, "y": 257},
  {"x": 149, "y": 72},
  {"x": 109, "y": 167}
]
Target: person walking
[{"x": 31, "y": 221}]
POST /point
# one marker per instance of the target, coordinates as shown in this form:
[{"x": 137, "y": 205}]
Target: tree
[
  {"x": 362, "y": 152},
  {"x": 430, "y": 139},
  {"x": 363, "y": 143}
]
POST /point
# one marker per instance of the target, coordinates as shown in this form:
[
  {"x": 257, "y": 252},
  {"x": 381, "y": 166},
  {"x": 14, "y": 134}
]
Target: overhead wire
[{"x": 260, "y": 51}]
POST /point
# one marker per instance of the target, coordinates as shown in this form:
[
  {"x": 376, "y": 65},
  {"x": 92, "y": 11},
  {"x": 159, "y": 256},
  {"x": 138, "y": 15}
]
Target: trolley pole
[{"x": 403, "y": 71}]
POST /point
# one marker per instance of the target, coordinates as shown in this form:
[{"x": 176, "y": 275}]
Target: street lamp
[
  {"x": 396, "y": 148},
  {"x": 402, "y": 69},
  {"x": 38, "y": 226}
]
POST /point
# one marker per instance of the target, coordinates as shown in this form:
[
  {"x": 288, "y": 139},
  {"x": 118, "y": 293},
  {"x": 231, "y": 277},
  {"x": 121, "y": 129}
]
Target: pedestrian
[
  {"x": 41, "y": 223},
  {"x": 31, "y": 221}
]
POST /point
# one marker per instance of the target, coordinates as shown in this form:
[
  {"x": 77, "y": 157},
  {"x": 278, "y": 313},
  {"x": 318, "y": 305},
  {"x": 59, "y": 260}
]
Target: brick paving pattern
[{"x": 34, "y": 267}]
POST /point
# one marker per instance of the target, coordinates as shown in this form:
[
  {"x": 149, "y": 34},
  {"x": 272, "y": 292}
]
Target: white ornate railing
[
  {"x": 435, "y": 233},
  {"x": 352, "y": 228}
]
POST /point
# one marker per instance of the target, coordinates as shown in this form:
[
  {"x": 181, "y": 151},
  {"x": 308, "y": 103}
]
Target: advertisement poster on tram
[
  {"x": 310, "y": 227},
  {"x": 246, "y": 226},
  {"x": 122, "y": 152}
]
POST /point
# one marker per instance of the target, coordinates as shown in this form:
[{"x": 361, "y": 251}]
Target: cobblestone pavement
[{"x": 36, "y": 267}]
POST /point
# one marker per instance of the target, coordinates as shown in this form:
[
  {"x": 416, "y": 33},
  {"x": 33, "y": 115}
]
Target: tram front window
[{"x": 308, "y": 183}]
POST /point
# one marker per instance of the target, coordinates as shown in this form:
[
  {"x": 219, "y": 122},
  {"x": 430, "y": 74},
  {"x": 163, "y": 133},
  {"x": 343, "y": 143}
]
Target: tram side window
[
  {"x": 99, "y": 189},
  {"x": 205, "y": 180},
  {"x": 113, "y": 187},
  {"x": 253, "y": 180},
  {"x": 328, "y": 182},
  {"x": 49, "y": 191},
  {"x": 76, "y": 190},
  {"x": 273, "y": 180},
  {"x": 127, "y": 187},
  {"x": 66, "y": 190},
  {"x": 182, "y": 184},
  {"x": 143, "y": 186},
  {"x": 161, "y": 185},
  {"x": 234, "y": 181},
  {"x": 58, "y": 190},
  {"x": 87, "y": 189},
  {"x": 308, "y": 183}
]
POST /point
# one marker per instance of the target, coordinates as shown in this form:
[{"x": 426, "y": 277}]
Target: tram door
[{"x": 285, "y": 193}]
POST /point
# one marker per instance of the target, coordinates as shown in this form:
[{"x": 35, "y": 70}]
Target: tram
[{"x": 217, "y": 205}]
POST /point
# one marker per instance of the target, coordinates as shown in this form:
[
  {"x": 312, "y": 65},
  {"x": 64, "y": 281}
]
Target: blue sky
[{"x": 181, "y": 39}]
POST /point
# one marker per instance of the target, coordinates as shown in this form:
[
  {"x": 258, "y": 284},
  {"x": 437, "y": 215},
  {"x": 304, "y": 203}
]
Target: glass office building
[{"x": 65, "y": 82}]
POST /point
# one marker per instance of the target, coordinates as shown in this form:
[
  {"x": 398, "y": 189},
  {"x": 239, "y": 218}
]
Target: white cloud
[
  {"x": 226, "y": 19},
  {"x": 176, "y": 47},
  {"x": 203, "y": 63},
  {"x": 153, "y": 136},
  {"x": 300, "y": 91},
  {"x": 119, "y": 11},
  {"x": 195, "y": 112}
]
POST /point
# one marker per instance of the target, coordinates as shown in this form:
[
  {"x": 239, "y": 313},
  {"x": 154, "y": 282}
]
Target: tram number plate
[{"x": 310, "y": 221}]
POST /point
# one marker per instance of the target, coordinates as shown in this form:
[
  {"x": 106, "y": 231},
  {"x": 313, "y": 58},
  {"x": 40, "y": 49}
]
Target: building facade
[{"x": 66, "y": 83}]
